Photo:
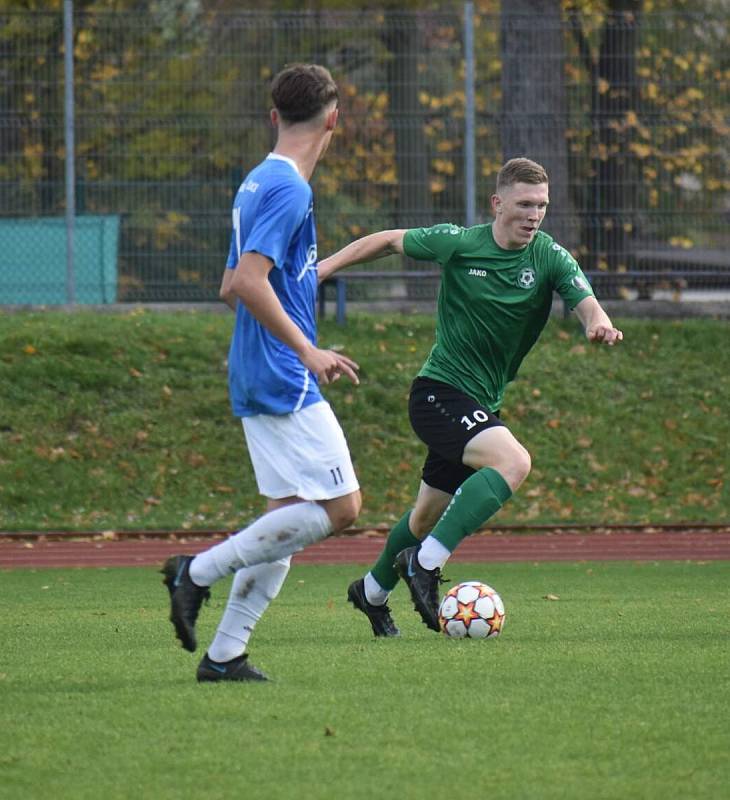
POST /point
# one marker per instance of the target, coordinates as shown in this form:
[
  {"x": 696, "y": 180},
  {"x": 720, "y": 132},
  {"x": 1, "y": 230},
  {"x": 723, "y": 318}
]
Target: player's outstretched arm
[
  {"x": 596, "y": 323},
  {"x": 369, "y": 248}
]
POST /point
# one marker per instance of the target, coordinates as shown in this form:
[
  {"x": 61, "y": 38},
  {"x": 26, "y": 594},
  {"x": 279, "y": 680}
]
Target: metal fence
[{"x": 628, "y": 111}]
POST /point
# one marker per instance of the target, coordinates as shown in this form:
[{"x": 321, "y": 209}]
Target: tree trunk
[
  {"x": 610, "y": 219},
  {"x": 414, "y": 206},
  {"x": 534, "y": 104}
]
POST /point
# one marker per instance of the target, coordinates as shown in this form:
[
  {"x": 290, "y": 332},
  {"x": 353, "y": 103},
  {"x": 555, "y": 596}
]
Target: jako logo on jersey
[
  {"x": 480, "y": 273},
  {"x": 249, "y": 186},
  {"x": 526, "y": 278}
]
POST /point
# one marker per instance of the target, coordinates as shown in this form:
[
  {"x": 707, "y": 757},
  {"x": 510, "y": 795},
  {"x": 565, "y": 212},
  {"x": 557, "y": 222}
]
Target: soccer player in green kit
[{"x": 497, "y": 284}]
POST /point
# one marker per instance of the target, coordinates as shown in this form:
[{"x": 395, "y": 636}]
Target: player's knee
[
  {"x": 520, "y": 467},
  {"x": 344, "y": 511},
  {"x": 513, "y": 465}
]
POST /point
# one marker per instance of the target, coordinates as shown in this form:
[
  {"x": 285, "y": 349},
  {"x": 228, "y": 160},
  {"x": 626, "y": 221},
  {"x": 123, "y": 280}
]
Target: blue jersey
[{"x": 273, "y": 216}]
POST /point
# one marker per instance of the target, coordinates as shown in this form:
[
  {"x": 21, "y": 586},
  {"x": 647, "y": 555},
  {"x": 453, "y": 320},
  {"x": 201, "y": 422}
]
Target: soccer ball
[{"x": 471, "y": 610}]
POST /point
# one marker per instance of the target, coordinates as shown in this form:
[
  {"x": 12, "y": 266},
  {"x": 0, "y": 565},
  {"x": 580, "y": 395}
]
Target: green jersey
[{"x": 492, "y": 303}]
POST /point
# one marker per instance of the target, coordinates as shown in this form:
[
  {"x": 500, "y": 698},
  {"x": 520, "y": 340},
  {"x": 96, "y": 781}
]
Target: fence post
[
  {"x": 341, "y": 289},
  {"x": 68, "y": 59},
  {"x": 470, "y": 198}
]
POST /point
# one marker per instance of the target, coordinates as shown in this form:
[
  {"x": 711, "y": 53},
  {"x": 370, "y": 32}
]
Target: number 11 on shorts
[{"x": 337, "y": 476}]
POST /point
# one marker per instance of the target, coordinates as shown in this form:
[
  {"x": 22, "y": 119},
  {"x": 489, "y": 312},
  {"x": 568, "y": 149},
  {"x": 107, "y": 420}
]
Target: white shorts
[{"x": 302, "y": 454}]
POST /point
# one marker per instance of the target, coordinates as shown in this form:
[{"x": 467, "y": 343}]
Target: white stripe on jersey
[
  {"x": 237, "y": 229},
  {"x": 298, "y": 406}
]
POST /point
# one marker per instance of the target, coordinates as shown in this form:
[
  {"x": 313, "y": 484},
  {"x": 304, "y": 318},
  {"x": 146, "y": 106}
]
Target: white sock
[
  {"x": 252, "y": 590},
  {"x": 275, "y": 535},
  {"x": 432, "y": 553},
  {"x": 374, "y": 592}
]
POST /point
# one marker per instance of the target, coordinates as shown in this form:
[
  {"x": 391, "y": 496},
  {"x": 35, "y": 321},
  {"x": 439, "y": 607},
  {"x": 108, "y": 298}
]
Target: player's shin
[
  {"x": 399, "y": 538},
  {"x": 252, "y": 591},
  {"x": 475, "y": 501}
]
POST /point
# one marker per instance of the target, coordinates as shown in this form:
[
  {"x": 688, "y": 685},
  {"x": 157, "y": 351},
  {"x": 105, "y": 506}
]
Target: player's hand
[
  {"x": 604, "y": 334},
  {"x": 329, "y": 366},
  {"x": 345, "y": 366}
]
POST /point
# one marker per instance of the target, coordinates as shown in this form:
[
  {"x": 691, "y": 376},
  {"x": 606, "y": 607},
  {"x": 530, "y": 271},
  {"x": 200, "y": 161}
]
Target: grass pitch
[{"x": 618, "y": 689}]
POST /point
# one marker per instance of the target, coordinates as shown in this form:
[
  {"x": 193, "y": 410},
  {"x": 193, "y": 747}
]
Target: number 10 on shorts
[{"x": 479, "y": 416}]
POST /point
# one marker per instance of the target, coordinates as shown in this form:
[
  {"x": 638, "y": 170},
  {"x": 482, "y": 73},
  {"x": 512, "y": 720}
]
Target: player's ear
[
  {"x": 496, "y": 204},
  {"x": 274, "y": 115},
  {"x": 331, "y": 119}
]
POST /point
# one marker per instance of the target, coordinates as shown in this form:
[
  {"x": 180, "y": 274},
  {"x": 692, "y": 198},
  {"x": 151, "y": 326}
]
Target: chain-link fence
[{"x": 628, "y": 111}]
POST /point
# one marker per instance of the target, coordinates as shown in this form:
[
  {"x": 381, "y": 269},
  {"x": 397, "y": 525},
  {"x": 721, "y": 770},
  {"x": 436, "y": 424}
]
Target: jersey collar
[{"x": 277, "y": 157}]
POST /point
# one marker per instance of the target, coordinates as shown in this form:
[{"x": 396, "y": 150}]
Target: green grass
[
  {"x": 122, "y": 421},
  {"x": 619, "y": 689}
]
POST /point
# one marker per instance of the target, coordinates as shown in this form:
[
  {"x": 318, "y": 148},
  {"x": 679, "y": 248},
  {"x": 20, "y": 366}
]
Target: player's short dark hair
[
  {"x": 300, "y": 91},
  {"x": 521, "y": 170}
]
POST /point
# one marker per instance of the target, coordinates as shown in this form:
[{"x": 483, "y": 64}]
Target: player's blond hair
[{"x": 521, "y": 170}]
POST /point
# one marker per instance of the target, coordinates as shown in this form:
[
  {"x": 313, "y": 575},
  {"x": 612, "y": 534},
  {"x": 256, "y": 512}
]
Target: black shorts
[{"x": 445, "y": 419}]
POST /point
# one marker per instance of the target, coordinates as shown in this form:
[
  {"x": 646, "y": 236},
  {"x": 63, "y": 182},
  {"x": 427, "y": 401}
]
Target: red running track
[{"x": 689, "y": 545}]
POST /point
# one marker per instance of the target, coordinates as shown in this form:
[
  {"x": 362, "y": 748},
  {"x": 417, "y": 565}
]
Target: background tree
[
  {"x": 534, "y": 113},
  {"x": 610, "y": 198},
  {"x": 171, "y": 110},
  {"x": 401, "y": 35}
]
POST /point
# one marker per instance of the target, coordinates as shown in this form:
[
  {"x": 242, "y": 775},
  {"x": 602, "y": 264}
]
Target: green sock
[
  {"x": 476, "y": 500},
  {"x": 399, "y": 538}
]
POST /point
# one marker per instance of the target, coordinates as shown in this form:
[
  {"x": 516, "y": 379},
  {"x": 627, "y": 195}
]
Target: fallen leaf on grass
[{"x": 551, "y": 597}]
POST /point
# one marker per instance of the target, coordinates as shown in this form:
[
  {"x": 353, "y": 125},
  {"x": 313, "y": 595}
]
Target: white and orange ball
[{"x": 471, "y": 610}]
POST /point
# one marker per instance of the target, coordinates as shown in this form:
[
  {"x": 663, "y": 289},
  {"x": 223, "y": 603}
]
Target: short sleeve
[
  {"x": 437, "y": 243},
  {"x": 569, "y": 281},
  {"x": 280, "y": 214}
]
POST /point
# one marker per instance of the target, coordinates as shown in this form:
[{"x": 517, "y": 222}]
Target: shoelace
[{"x": 436, "y": 584}]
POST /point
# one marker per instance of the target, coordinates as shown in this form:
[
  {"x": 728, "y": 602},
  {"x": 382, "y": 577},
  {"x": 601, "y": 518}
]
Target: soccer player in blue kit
[{"x": 297, "y": 448}]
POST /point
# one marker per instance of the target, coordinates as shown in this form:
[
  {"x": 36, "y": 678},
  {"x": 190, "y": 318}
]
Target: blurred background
[{"x": 125, "y": 129}]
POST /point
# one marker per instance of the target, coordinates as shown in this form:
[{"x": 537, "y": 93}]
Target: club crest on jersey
[{"x": 526, "y": 278}]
